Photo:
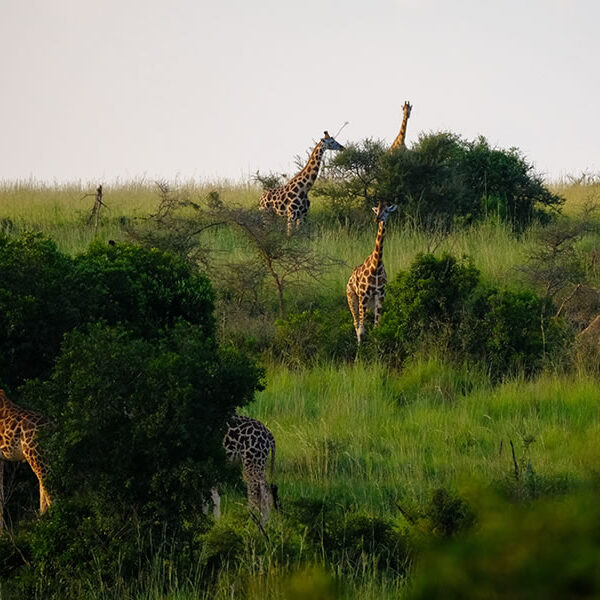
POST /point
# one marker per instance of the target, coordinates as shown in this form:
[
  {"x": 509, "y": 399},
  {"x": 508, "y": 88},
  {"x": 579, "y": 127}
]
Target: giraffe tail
[{"x": 272, "y": 465}]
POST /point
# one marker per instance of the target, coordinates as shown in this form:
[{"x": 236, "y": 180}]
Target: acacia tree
[
  {"x": 287, "y": 260},
  {"x": 557, "y": 266}
]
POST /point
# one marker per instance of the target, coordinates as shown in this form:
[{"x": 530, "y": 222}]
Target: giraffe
[
  {"x": 366, "y": 285},
  {"x": 399, "y": 141},
  {"x": 248, "y": 441},
  {"x": 18, "y": 433},
  {"x": 291, "y": 200}
]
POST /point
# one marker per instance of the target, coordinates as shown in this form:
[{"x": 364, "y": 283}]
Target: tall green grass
[
  {"x": 371, "y": 436},
  {"x": 362, "y": 435}
]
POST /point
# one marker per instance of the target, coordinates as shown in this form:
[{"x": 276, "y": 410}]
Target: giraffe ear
[{"x": 375, "y": 209}]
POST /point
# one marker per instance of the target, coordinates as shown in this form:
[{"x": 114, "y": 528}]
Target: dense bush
[
  {"x": 441, "y": 303},
  {"x": 441, "y": 180},
  {"x": 37, "y": 305},
  {"x": 445, "y": 179},
  {"x": 139, "y": 393},
  {"x": 545, "y": 550},
  {"x": 145, "y": 289},
  {"x": 346, "y": 536},
  {"x": 137, "y": 444},
  {"x": 44, "y": 293},
  {"x": 314, "y": 335}
]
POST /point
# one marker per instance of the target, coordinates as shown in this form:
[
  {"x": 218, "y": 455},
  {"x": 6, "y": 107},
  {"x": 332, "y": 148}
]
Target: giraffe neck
[
  {"x": 377, "y": 256},
  {"x": 309, "y": 174},
  {"x": 399, "y": 141}
]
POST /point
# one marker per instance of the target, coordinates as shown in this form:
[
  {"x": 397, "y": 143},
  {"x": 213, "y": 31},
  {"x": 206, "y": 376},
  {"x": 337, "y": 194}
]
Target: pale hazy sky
[{"x": 95, "y": 91}]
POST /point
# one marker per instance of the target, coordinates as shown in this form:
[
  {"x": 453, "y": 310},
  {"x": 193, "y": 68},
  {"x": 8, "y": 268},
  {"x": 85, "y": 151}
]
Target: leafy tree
[
  {"x": 145, "y": 289},
  {"x": 45, "y": 293},
  {"x": 140, "y": 421},
  {"x": 349, "y": 188},
  {"x": 442, "y": 180},
  {"x": 506, "y": 184},
  {"x": 135, "y": 449},
  {"x": 440, "y": 302},
  {"x": 37, "y": 305}
]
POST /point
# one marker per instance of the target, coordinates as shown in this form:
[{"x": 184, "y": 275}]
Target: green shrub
[
  {"x": 44, "y": 294},
  {"x": 347, "y": 536},
  {"x": 37, "y": 305},
  {"x": 144, "y": 289},
  {"x": 440, "y": 181},
  {"x": 314, "y": 335},
  {"x": 547, "y": 549},
  {"x": 136, "y": 447},
  {"x": 140, "y": 422},
  {"x": 440, "y": 303},
  {"x": 448, "y": 514}
]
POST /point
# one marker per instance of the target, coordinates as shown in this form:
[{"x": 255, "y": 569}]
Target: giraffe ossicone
[
  {"x": 291, "y": 199},
  {"x": 18, "y": 442},
  {"x": 366, "y": 286}
]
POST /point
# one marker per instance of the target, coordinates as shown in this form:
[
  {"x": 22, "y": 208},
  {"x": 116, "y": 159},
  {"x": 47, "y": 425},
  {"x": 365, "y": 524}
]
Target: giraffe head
[
  {"x": 407, "y": 108},
  {"x": 329, "y": 143},
  {"x": 382, "y": 212}
]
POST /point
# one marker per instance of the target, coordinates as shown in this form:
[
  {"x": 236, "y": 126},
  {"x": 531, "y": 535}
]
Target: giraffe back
[
  {"x": 248, "y": 441},
  {"x": 18, "y": 429}
]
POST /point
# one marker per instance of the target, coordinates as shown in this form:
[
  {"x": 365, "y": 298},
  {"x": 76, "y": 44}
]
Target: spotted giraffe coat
[
  {"x": 366, "y": 286},
  {"x": 249, "y": 442},
  {"x": 399, "y": 141},
  {"x": 291, "y": 200},
  {"x": 18, "y": 442}
]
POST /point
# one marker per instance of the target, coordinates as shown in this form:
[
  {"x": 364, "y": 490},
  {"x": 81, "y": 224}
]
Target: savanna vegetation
[{"x": 461, "y": 440}]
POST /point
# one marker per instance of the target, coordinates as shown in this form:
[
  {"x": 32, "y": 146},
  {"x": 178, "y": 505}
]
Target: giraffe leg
[
  {"x": 362, "y": 308},
  {"x": 378, "y": 307},
  {"x": 44, "y": 498},
  {"x": 266, "y": 501},
  {"x": 353, "y": 305},
  {"x": 1, "y": 494},
  {"x": 32, "y": 457},
  {"x": 216, "y": 498},
  {"x": 254, "y": 494}
]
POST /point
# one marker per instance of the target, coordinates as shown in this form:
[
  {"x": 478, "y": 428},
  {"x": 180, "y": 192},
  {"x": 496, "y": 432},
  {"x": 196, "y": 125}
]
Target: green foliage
[
  {"x": 427, "y": 301},
  {"x": 426, "y": 182},
  {"x": 316, "y": 335},
  {"x": 349, "y": 187},
  {"x": 545, "y": 550},
  {"x": 441, "y": 303},
  {"x": 448, "y": 513},
  {"x": 144, "y": 289},
  {"x": 137, "y": 444},
  {"x": 346, "y": 536},
  {"x": 444, "y": 179},
  {"x": 44, "y": 293},
  {"x": 141, "y": 422},
  {"x": 139, "y": 393},
  {"x": 37, "y": 305},
  {"x": 441, "y": 181}
]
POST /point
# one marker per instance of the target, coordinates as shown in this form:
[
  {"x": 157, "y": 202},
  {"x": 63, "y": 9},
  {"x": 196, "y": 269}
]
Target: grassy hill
[{"x": 361, "y": 438}]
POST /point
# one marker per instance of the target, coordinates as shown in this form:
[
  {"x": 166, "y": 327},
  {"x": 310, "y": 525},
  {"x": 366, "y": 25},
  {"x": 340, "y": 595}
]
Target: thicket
[
  {"x": 441, "y": 181},
  {"x": 45, "y": 293},
  {"x": 139, "y": 392},
  {"x": 546, "y": 550},
  {"x": 441, "y": 304}
]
